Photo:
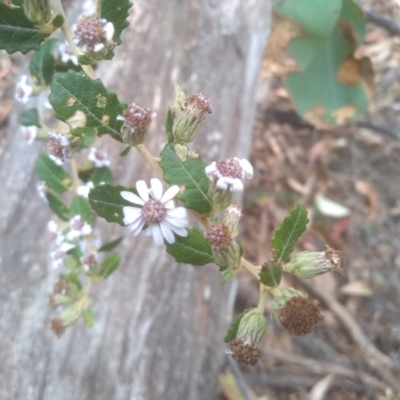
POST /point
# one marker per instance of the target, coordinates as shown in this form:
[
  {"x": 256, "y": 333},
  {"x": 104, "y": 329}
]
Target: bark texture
[{"x": 159, "y": 325}]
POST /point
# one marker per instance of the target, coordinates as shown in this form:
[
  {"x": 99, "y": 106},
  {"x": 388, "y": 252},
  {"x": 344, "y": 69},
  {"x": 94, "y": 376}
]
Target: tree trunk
[{"x": 159, "y": 325}]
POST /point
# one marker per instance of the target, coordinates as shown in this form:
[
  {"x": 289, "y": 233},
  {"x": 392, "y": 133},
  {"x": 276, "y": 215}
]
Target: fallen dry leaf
[
  {"x": 357, "y": 288},
  {"x": 366, "y": 189}
]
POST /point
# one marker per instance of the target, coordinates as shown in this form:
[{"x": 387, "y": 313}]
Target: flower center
[
  {"x": 231, "y": 168},
  {"x": 153, "y": 211}
]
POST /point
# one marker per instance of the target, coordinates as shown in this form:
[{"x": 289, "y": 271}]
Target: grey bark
[{"x": 159, "y": 325}]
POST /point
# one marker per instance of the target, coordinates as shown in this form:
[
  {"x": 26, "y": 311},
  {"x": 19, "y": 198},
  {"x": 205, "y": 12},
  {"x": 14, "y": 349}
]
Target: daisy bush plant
[{"x": 187, "y": 207}]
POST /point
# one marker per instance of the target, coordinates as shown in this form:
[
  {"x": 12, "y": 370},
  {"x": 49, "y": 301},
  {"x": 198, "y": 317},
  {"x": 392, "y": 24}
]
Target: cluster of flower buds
[
  {"x": 94, "y": 36},
  {"x": 296, "y": 313},
  {"x": 188, "y": 113},
  {"x": 252, "y": 328}
]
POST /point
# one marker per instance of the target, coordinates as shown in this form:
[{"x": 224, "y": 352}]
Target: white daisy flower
[
  {"x": 99, "y": 158},
  {"x": 78, "y": 228},
  {"x": 229, "y": 173},
  {"x": 84, "y": 190},
  {"x": 22, "y": 90},
  {"x": 156, "y": 210}
]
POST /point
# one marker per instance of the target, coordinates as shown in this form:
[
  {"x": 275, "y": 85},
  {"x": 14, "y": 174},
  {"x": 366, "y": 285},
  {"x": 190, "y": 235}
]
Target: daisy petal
[
  {"x": 170, "y": 193},
  {"x": 169, "y": 204},
  {"x": 137, "y": 227},
  {"x": 247, "y": 168},
  {"x": 167, "y": 233},
  {"x": 178, "y": 212},
  {"x": 149, "y": 231},
  {"x": 180, "y": 231},
  {"x": 131, "y": 197},
  {"x": 131, "y": 214},
  {"x": 142, "y": 189},
  {"x": 237, "y": 186},
  {"x": 221, "y": 184},
  {"x": 157, "y": 235},
  {"x": 157, "y": 189}
]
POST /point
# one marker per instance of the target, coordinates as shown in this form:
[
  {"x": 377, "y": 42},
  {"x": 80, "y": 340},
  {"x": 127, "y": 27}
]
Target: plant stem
[
  {"x": 67, "y": 32},
  {"x": 263, "y": 297},
  {"x": 142, "y": 149},
  {"x": 250, "y": 267}
]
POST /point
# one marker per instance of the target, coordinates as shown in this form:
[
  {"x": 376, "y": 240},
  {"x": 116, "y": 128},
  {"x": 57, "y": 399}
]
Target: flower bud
[
  {"x": 309, "y": 264},
  {"x": 296, "y": 312},
  {"x": 231, "y": 218},
  {"x": 37, "y": 11},
  {"x": 136, "y": 124},
  {"x": 228, "y": 257},
  {"x": 188, "y": 114},
  {"x": 220, "y": 199},
  {"x": 252, "y": 327}
]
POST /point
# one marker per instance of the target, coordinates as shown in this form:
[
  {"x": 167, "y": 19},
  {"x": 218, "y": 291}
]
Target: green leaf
[
  {"x": 30, "y": 117},
  {"x": 335, "y": 87},
  {"x": 188, "y": 173},
  {"x": 111, "y": 244},
  {"x": 289, "y": 232},
  {"x": 53, "y": 175},
  {"x": 192, "y": 249},
  {"x": 227, "y": 275},
  {"x": 17, "y": 33},
  {"x": 317, "y": 21},
  {"x": 73, "y": 278},
  {"x": 169, "y": 122},
  {"x": 272, "y": 275},
  {"x": 109, "y": 265},
  {"x": 84, "y": 59},
  {"x": 86, "y": 136},
  {"x": 57, "y": 206},
  {"x": 58, "y": 20},
  {"x": 233, "y": 329},
  {"x": 81, "y": 206},
  {"x": 41, "y": 65},
  {"x": 101, "y": 175},
  {"x": 107, "y": 201},
  {"x": 115, "y": 11},
  {"x": 85, "y": 103},
  {"x": 125, "y": 151},
  {"x": 88, "y": 317}
]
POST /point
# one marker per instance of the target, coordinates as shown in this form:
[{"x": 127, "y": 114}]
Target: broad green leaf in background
[
  {"x": 233, "y": 329},
  {"x": 111, "y": 244},
  {"x": 81, "y": 206},
  {"x": 85, "y": 103},
  {"x": 115, "y": 11},
  {"x": 271, "y": 275},
  {"x": 101, "y": 175},
  {"x": 335, "y": 87},
  {"x": 41, "y": 65},
  {"x": 188, "y": 173},
  {"x": 192, "y": 249},
  {"x": 107, "y": 201},
  {"x": 52, "y": 174},
  {"x": 58, "y": 207},
  {"x": 314, "y": 48},
  {"x": 289, "y": 232},
  {"x": 17, "y": 33},
  {"x": 30, "y": 117},
  {"x": 314, "y": 19}
]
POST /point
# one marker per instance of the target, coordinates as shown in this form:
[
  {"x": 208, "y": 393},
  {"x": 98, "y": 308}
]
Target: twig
[
  {"x": 323, "y": 368},
  {"x": 242, "y": 385},
  {"x": 381, "y": 128},
  {"x": 377, "y": 360},
  {"x": 391, "y": 26}
]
